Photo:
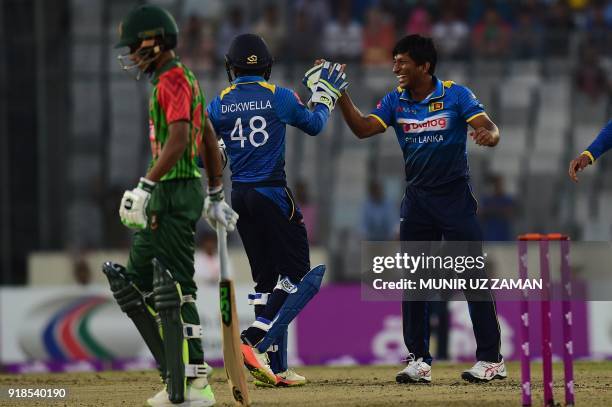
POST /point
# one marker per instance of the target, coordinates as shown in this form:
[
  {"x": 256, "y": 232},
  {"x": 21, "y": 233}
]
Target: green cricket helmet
[{"x": 147, "y": 30}]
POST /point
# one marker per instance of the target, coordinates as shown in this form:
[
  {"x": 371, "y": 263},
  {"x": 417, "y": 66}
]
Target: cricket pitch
[{"x": 330, "y": 386}]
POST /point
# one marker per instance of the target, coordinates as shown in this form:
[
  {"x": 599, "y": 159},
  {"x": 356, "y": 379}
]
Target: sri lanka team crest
[
  {"x": 435, "y": 106},
  {"x": 78, "y": 328}
]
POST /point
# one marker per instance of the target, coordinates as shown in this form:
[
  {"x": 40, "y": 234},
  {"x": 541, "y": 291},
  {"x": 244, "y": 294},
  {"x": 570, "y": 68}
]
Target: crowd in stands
[{"x": 366, "y": 30}]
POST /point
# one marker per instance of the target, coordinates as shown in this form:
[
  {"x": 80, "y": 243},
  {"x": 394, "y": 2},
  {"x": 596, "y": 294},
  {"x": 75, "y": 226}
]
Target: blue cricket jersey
[
  {"x": 251, "y": 116},
  {"x": 432, "y": 133},
  {"x": 601, "y": 144}
]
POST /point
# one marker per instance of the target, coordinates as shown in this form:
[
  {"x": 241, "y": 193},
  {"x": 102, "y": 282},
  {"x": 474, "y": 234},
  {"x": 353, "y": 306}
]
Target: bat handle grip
[{"x": 224, "y": 273}]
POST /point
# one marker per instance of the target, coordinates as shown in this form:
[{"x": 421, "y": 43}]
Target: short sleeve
[
  {"x": 384, "y": 110},
  {"x": 469, "y": 106},
  {"x": 174, "y": 95}
]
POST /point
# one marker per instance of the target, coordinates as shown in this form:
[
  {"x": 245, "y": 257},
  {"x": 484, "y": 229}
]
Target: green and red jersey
[{"x": 176, "y": 97}]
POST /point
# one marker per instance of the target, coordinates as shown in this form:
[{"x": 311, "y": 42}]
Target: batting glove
[
  {"x": 133, "y": 208},
  {"x": 217, "y": 210}
]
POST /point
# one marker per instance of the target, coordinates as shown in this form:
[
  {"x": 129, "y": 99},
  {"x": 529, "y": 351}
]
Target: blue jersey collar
[
  {"x": 244, "y": 79},
  {"x": 436, "y": 94}
]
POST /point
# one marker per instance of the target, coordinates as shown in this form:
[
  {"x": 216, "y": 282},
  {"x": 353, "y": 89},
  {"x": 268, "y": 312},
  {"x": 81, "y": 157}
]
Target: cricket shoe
[
  {"x": 258, "y": 364},
  {"x": 198, "y": 394},
  {"x": 417, "y": 371},
  {"x": 485, "y": 372},
  {"x": 288, "y": 378},
  {"x": 161, "y": 398}
]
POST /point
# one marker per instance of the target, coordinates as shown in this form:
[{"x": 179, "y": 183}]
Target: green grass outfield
[{"x": 331, "y": 386}]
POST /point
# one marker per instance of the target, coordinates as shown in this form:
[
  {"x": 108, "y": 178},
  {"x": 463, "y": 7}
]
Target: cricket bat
[{"x": 232, "y": 356}]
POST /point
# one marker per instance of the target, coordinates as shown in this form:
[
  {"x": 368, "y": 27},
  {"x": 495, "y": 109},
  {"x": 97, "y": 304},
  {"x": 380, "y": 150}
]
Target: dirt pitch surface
[{"x": 337, "y": 386}]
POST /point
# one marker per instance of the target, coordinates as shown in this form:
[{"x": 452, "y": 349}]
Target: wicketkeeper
[{"x": 251, "y": 116}]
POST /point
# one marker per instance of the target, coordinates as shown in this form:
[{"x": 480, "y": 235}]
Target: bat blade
[{"x": 232, "y": 356}]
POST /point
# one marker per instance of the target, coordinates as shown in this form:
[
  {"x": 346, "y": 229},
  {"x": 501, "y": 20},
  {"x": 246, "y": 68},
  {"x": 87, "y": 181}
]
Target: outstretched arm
[
  {"x": 601, "y": 144},
  {"x": 362, "y": 126},
  {"x": 292, "y": 111}
]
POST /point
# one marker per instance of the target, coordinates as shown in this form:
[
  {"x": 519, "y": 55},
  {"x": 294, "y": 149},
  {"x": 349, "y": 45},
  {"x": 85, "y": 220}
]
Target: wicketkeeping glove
[
  {"x": 327, "y": 82},
  {"x": 133, "y": 208},
  {"x": 217, "y": 210},
  {"x": 311, "y": 77}
]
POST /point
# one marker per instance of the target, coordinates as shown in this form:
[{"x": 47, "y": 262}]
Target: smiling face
[{"x": 408, "y": 73}]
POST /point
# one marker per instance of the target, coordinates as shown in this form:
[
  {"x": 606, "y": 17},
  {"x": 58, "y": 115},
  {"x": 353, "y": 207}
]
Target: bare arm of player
[
  {"x": 485, "y": 131},
  {"x": 578, "y": 164},
  {"x": 211, "y": 155},
  {"x": 362, "y": 126},
  {"x": 171, "y": 152}
]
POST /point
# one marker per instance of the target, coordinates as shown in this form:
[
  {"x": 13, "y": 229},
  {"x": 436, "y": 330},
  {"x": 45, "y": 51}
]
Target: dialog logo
[{"x": 433, "y": 123}]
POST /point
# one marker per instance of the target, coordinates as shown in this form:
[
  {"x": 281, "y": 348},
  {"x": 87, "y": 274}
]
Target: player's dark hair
[{"x": 420, "y": 49}]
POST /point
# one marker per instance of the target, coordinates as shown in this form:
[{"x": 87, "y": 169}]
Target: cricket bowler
[
  {"x": 156, "y": 289},
  {"x": 601, "y": 144},
  {"x": 430, "y": 119},
  {"x": 251, "y": 116}
]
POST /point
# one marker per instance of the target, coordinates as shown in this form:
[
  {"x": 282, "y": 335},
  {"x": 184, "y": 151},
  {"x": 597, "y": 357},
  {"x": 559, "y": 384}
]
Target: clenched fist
[{"x": 483, "y": 137}]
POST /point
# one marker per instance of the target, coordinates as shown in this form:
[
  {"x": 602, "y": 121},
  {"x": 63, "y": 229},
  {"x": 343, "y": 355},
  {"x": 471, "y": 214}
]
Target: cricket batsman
[
  {"x": 251, "y": 116},
  {"x": 156, "y": 289},
  {"x": 430, "y": 119},
  {"x": 601, "y": 144}
]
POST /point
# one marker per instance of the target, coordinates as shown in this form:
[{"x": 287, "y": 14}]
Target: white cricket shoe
[
  {"x": 485, "y": 372},
  {"x": 160, "y": 399},
  {"x": 417, "y": 371},
  {"x": 290, "y": 378},
  {"x": 198, "y": 394}
]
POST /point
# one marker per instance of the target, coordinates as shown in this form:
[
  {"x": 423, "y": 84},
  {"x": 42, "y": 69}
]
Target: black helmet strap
[{"x": 228, "y": 69}]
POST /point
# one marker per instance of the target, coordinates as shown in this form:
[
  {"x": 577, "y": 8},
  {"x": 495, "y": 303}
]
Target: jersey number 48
[{"x": 257, "y": 125}]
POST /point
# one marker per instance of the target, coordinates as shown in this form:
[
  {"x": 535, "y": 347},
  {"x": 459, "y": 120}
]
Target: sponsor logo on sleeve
[{"x": 298, "y": 98}]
